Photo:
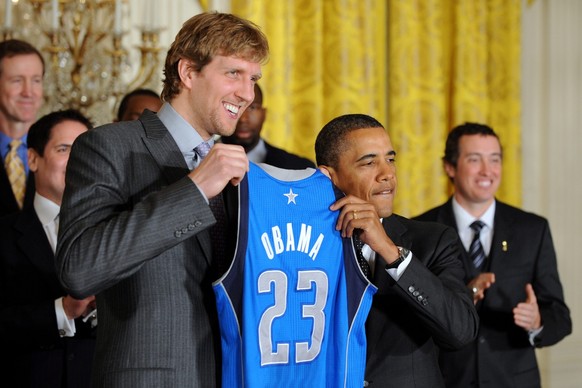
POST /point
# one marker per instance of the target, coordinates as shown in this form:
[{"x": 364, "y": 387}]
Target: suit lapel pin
[{"x": 504, "y": 246}]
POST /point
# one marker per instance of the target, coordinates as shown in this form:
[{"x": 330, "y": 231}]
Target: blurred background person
[
  {"x": 21, "y": 96},
  {"x": 510, "y": 268},
  {"x": 248, "y": 135},
  {"x": 43, "y": 337},
  {"x": 133, "y": 104}
]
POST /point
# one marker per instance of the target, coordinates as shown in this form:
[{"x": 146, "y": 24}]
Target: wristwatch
[{"x": 403, "y": 255}]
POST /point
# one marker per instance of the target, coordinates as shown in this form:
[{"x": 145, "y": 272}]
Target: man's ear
[
  {"x": 186, "y": 72},
  {"x": 450, "y": 170},
  {"x": 33, "y": 160},
  {"x": 327, "y": 171}
]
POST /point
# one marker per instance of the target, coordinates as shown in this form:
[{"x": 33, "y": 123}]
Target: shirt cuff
[
  {"x": 65, "y": 325},
  {"x": 397, "y": 272},
  {"x": 533, "y": 334}
]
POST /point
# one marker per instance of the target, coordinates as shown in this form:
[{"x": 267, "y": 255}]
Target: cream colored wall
[
  {"x": 169, "y": 18},
  {"x": 552, "y": 157}
]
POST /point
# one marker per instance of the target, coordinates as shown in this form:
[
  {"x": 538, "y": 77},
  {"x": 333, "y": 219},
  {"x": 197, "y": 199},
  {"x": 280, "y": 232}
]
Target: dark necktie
[
  {"x": 476, "y": 252},
  {"x": 218, "y": 230},
  {"x": 364, "y": 265}
]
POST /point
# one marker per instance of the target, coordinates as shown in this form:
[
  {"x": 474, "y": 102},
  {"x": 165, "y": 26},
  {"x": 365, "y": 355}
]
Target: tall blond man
[{"x": 135, "y": 218}]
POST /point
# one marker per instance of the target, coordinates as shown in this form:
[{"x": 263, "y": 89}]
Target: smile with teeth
[
  {"x": 232, "y": 108},
  {"x": 384, "y": 192}
]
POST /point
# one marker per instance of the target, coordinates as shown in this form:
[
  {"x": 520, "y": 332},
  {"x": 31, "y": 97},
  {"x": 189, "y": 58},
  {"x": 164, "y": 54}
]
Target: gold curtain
[
  {"x": 418, "y": 66},
  {"x": 328, "y": 58},
  {"x": 451, "y": 61}
]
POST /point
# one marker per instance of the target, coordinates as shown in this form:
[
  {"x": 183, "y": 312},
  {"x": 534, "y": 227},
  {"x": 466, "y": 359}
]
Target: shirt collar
[
  {"x": 259, "y": 153},
  {"x": 464, "y": 220},
  {"x": 5, "y": 141},
  {"x": 185, "y": 136},
  {"x": 46, "y": 209}
]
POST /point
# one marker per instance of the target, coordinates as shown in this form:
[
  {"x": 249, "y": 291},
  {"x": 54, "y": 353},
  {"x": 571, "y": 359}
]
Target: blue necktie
[{"x": 476, "y": 252}]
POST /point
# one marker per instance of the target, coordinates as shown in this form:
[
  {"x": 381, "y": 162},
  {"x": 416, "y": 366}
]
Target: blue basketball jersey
[{"x": 293, "y": 304}]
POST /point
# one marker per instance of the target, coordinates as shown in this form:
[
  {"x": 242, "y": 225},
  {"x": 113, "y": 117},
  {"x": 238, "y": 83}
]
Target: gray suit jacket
[{"x": 134, "y": 232}]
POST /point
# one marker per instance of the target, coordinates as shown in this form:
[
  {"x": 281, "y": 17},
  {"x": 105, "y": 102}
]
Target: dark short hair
[
  {"x": 40, "y": 132},
  {"x": 452, "y": 144},
  {"x": 13, "y": 47},
  {"x": 125, "y": 100},
  {"x": 330, "y": 142},
  {"x": 206, "y": 35}
]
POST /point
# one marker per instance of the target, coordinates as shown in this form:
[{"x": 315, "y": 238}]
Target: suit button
[
  {"x": 178, "y": 234},
  {"x": 416, "y": 293},
  {"x": 197, "y": 224},
  {"x": 411, "y": 289},
  {"x": 420, "y": 298},
  {"x": 424, "y": 302},
  {"x": 184, "y": 230},
  {"x": 191, "y": 226}
]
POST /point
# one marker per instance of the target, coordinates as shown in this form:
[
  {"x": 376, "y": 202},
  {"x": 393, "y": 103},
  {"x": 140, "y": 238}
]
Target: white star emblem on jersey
[{"x": 291, "y": 197}]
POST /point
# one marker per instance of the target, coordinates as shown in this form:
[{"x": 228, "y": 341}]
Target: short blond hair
[{"x": 206, "y": 35}]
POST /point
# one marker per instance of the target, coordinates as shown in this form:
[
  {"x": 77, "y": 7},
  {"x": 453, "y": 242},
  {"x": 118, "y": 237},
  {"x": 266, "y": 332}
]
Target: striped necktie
[
  {"x": 15, "y": 170},
  {"x": 476, "y": 252}
]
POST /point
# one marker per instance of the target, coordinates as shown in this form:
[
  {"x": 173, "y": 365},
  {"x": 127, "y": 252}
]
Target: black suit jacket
[
  {"x": 280, "y": 158},
  {"x": 427, "y": 308},
  {"x": 502, "y": 355},
  {"x": 8, "y": 204},
  {"x": 35, "y": 354}
]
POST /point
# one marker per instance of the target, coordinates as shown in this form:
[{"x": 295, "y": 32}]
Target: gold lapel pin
[{"x": 504, "y": 246}]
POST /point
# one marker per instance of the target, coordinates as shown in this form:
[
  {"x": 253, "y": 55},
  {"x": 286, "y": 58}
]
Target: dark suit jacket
[
  {"x": 429, "y": 307},
  {"x": 8, "y": 204},
  {"x": 34, "y": 353},
  {"x": 502, "y": 355},
  {"x": 280, "y": 158},
  {"x": 134, "y": 231}
]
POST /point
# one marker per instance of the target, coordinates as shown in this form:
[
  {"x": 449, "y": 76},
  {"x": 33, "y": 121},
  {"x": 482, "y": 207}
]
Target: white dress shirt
[
  {"x": 259, "y": 153},
  {"x": 48, "y": 214}
]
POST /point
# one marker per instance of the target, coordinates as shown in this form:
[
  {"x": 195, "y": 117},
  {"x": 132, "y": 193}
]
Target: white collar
[
  {"x": 46, "y": 210},
  {"x": 464, "y": 220}
]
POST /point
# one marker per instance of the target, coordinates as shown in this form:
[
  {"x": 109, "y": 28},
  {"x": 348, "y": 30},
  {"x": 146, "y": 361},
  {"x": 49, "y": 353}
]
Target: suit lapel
[
  {"x": 376, "y": 328},
  {"x": 447, "y": 216},
  {"x": 502, "y": 235},
  {"x": 163, "y": 148},
  {"x": 7, "y": 196},
  {"x": 32, "y": 241},
  {"x": 167, "y": 154},
  {"x": 397, "y": 233}
]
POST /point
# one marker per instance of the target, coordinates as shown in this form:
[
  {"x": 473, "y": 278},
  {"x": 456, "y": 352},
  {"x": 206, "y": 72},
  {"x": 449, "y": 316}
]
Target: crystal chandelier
[{"x": 87, "y": 67}]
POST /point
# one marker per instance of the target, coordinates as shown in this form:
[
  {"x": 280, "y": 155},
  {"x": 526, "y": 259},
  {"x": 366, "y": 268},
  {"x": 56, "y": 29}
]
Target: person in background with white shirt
[
  {"x": 514, "y": 282},
  {"x": 42, "y": 333}
]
